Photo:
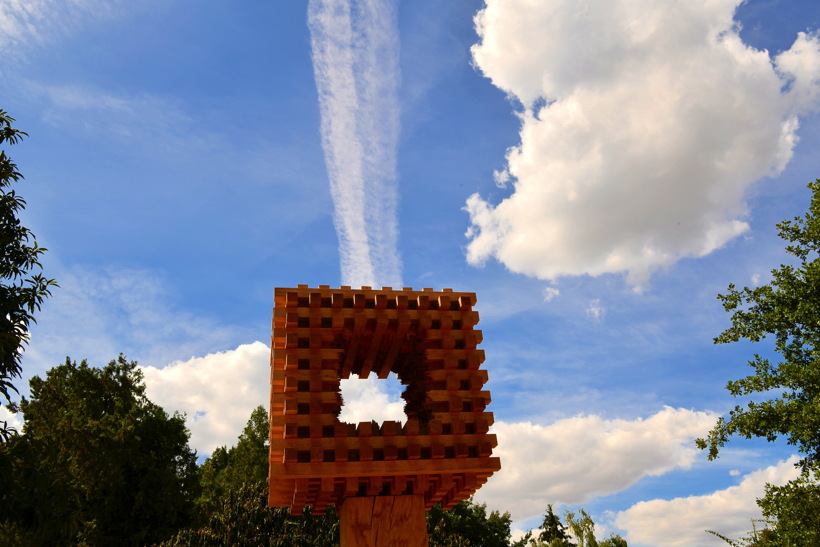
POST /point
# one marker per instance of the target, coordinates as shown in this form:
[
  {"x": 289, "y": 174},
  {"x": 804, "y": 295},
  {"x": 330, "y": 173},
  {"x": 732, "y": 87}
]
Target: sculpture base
[{"x": 383, "y": 521}]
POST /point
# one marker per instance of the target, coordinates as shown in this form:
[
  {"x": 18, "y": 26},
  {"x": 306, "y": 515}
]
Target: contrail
[{"x": 356, "y": 64}]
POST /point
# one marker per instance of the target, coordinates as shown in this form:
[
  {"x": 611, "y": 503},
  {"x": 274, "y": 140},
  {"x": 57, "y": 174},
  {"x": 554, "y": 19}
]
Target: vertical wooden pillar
[{"x": 383, "y": 521}]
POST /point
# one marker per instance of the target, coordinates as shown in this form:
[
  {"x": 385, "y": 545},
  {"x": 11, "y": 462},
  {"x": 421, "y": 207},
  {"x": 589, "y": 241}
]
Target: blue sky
[{"x": 597, "y": 172}]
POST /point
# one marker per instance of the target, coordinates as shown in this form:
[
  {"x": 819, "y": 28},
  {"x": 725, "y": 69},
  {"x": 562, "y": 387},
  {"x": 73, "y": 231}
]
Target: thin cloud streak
[{"x": 355, "y": 61}]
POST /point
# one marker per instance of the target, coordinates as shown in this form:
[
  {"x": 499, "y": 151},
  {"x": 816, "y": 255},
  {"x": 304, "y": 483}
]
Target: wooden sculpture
[{"x": 380, "y": 477}]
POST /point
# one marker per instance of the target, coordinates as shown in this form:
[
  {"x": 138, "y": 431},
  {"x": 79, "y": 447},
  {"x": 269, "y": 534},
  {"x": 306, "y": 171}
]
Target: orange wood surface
[
  {"x": 383, "y": 521},
  {"x": 443, "y": 452}
]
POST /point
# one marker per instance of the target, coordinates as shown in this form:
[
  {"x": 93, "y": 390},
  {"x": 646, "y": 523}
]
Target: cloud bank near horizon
[
  {"x": 728, "y": 512},
  {"x": 643, "y": 125},
  {"x": 356, "y": 65},
  {"x": 588, "y": 456}
]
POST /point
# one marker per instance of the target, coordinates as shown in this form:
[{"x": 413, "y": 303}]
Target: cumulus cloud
[
  {"x": 575, "y": 459},
  {"x": 217, "y": 392},
  {"x": 683, "y": 521},
  {"x": 372, "y": 399},
  {"x": 642, "y": 126},
  {"x": 356, "y": 64}
]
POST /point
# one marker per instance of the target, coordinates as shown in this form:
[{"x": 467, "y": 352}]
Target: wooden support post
[{"x": 383, "y": 521}]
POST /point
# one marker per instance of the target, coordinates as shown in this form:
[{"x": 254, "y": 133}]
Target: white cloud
[
  {"x": 356, "y": 64},
  {"x": 13, "y": 421},
  {"x": 218, "y": 392},
  {"x": 575, "y": 459},
  {"x": 372, "y": 399},
  {"x": 550, "y": 293},
  {"x": 595, "y": 310},
  {"x": 644, "y": 123},
  {"x": 682, "y": 521}
]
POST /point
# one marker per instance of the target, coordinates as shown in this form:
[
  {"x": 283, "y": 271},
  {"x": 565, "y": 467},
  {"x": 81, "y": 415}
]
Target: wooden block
[
  {"x": 323, "y": 335},
  {"x": 388, "y": 521}
]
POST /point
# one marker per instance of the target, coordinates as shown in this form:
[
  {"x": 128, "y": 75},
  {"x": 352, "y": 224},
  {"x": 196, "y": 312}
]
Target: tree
[
  {"x": 468, "y": 524},
  {"x": 581, "y": 529},
  {"x": 246, "y": 463},
  {"x": 22, "y": 287},
  {"x": 97, "y": 463},
  {"x": 233, "y": 505},
  {"x": 242, "y": 518},
  {"x": 786, "y": 309},
  {"x": 553, "y": 531}
]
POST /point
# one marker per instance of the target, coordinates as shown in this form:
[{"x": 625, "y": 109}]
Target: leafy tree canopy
[
  {"x": 22, "y": 286},
  {"x": 228, "y": 469},
  {"x": 468, "y": 524},
  {"x": 787, "y": 310},
  {"x": 576, "y": 528},
  {"x": 97, "y": 463}
]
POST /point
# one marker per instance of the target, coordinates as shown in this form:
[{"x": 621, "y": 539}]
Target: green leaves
[
  {"x": 22, "y": 287},
  {"x": 99, "y": 463},
  {"x": 468, "y": 524},
  {"x": 787, "y": 310}
]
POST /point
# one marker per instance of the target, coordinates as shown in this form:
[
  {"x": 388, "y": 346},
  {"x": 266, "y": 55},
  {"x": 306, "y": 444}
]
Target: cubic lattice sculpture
[{"x": 443, "y": 452}]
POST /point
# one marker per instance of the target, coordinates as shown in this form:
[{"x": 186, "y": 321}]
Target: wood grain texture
[{"x": 383, "y": 521}]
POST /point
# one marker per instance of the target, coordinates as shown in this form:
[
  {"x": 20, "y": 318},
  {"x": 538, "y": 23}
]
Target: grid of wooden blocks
[{"x": 320, "y": 336}]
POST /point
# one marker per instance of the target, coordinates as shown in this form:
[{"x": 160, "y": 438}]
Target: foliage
[
  {"x": 789, "y": 516},
  {"x": 242, "y": 518},
  {"x": 246, "y": 463},
  {"x": 791, "y": 513},
  {"x": 578, "y": 527},
  {"x": 22, "y": 287},
  {"x": 233, "y": 504},
  {"x": 788, "y": 310},
  {"x": 98, "y": 463},
  {"x": 553, "y": 531},
  {"x": 468, "y": 524}
]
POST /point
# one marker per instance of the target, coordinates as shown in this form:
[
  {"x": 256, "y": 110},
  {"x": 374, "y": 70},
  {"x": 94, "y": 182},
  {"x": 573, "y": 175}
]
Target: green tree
[
  {"x": 246, "y": 463},
  {"x": 787, "y": 310},
  {"x": 242, "y": 518},
  {"x": 578, "y": 527},
  {"x": 234, "y": 501},
  {"x": 97, "y": 463},
  {"x": 553, "y": 531},
  {"x": 583, "y": 529},
  {"x": 791, "y": 513},
  {"x": 22, "y": 285},
  {"x": 468, "y": 524}
]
